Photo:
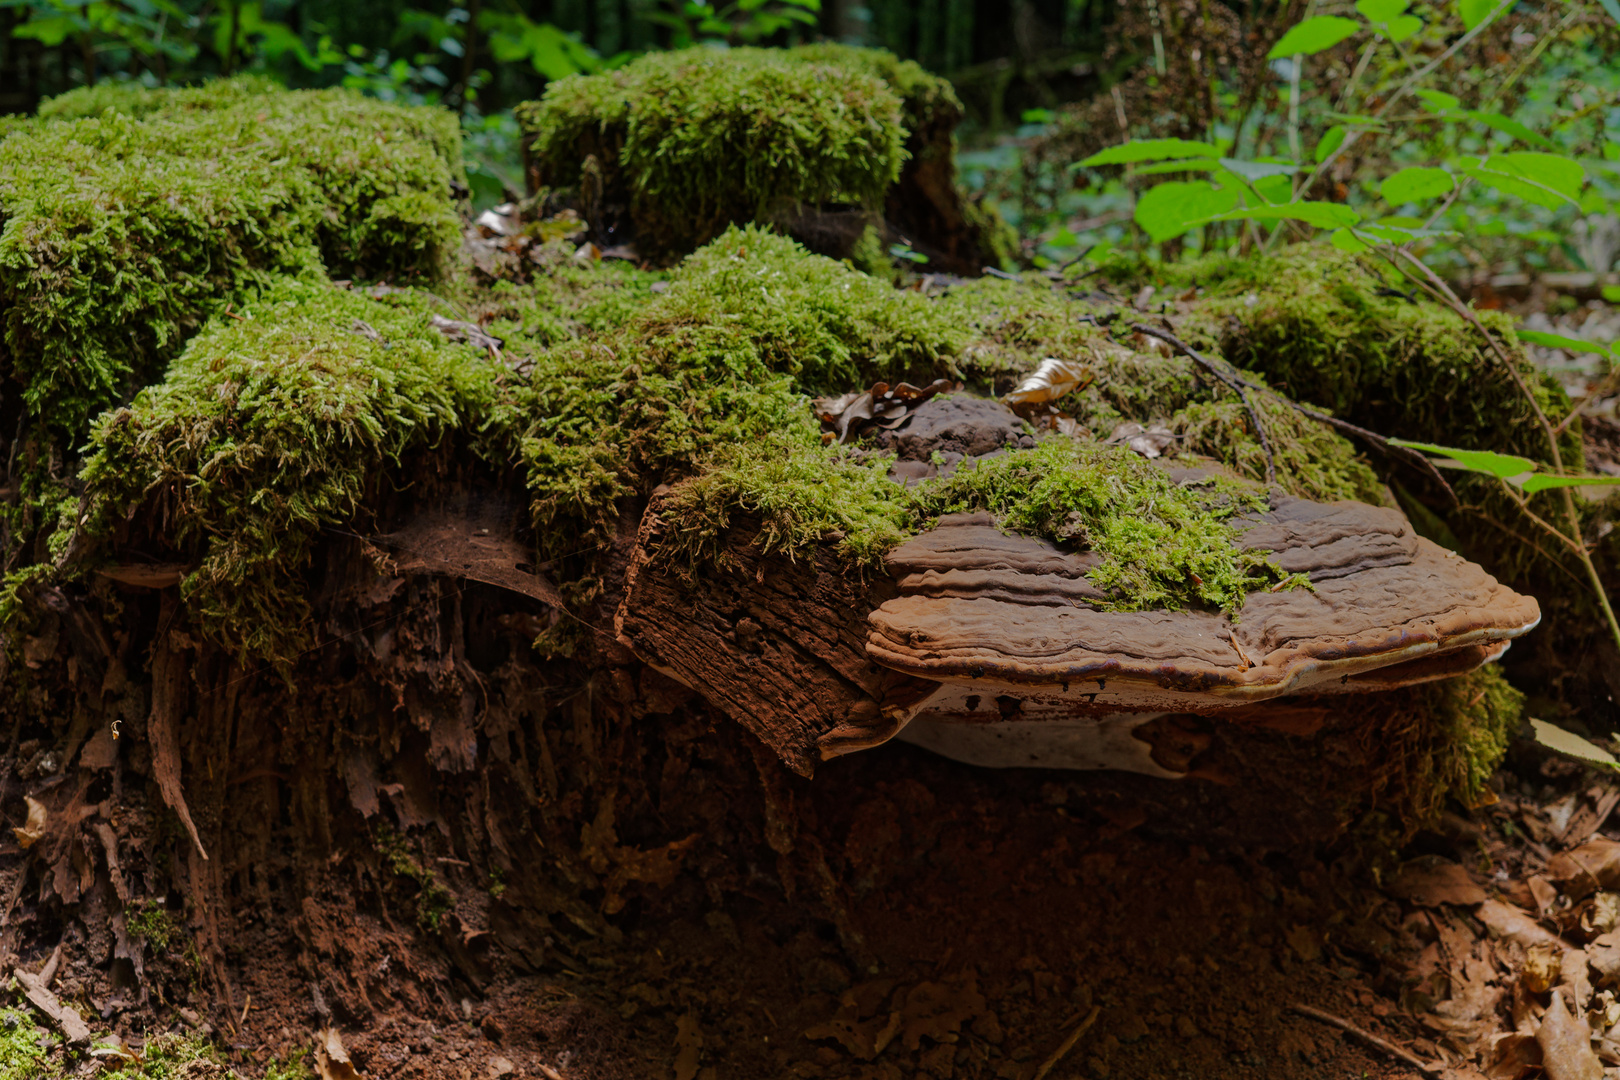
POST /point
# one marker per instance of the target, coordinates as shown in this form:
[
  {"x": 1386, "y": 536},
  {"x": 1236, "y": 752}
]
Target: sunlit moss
[
  {"x": 699, "y": 139},
  {"x": 270, "y": 426}
]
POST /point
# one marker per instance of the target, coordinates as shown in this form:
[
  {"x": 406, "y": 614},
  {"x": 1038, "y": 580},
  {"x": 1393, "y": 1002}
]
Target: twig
[
  {"x": 1068, "y": 1044},
  {"x": 1235, "y": 383},
  {"x": 1369, "y": 1039}
]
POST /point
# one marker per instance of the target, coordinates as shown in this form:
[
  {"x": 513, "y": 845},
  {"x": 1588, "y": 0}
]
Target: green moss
[
  {"x": 21, "y": 1055},
  {"x": 927, "y": 99},
  {"x": 702, "y": 138},
  {"x": 433, "y": 900},
  {"x": 123, "y": 233},
  {"x": 1163, "y": 544},
  {"x": 572, "y": 299},
  {"x": 1012, "y": 327},
  {"x": 746, "y": 326},
  {"x": 150, "y": 922},
  {"x": 275, "y": 423},
  {"x": 1477, "y": 716}
]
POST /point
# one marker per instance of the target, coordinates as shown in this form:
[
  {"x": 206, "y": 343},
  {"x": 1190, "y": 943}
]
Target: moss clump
[
  {"x": 21, "y": 1055},
  {"x": 927, "y": 99},
  {"x": 1163, "y": 544},
  {"x": 696, "y": 140},
  {"x": 747, "y": 326},
  {"x": 123, "y": 231},
  {"x": 433, "y": 900},
  {"x": 151, "y": 923},
  {"x": 270, "y": 426},
  {"x": 572, "y": 299},
  {"x": 1012, "y": 326}
]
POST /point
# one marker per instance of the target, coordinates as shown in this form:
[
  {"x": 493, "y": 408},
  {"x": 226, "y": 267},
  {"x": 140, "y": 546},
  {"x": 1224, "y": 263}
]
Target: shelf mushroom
[{"x": 1033, "y": 671}]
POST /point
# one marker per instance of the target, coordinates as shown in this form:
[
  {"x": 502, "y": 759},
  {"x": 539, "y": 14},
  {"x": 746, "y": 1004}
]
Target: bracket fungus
[{"x": 1001, "y": 649}]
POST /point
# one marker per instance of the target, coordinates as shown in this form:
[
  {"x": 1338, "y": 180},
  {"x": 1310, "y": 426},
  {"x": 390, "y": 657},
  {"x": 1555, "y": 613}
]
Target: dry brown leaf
[
  {"x": 688, "y": 1046},
  {"x": 1542, "y": 966},
  {"x": 1507, "y": 921},
  {"x": 1603, "y": 956},
  {"x": 1512, "y": 1056},
  {"x": 34, "y": 828},
  {"x": 1566, "y": 1045},
  {"x": 331, "y": 1059},
  {"x": 1053, "y": 379},
  {"x": 1592, "y": 866},
  {"x": 1430, "y": 882}
]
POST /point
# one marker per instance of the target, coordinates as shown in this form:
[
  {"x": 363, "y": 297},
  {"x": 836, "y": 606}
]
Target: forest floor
[{"x": 1030, "y": 939}]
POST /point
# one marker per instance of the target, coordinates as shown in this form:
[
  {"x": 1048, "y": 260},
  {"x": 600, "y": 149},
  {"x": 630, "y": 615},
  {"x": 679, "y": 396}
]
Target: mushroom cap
[{"x": 1015, "y": 615}]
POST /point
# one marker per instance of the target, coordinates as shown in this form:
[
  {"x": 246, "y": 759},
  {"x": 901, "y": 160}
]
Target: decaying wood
[
  {"x": 66, "y": 1019},
  {"x": 779, "y": 645},
  {"x": 168, "y": 692}
]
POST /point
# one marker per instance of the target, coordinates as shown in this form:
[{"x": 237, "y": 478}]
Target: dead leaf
[
  {"x": 848, "y": 416},
  {"x": 1592, "y": 866},
  {"x": 1544, "y": 892},
  {"x": 1052, "y": 380},
  {"x": 1603, "y": 955},
  {"x": 34, "y": 827},
  {"x": 1566, "y": 1045},
  {"x": 937, "y": 1010},
  {"x": 1507, "y": 921},
  {"x": 1431, "y": 882},
  {"x": 861, "y": 1024},
  {"x": 1150, "y": 442},
  {"x": 1542, "y": 966},
  {"x": 331, "y": 1059},
  {"x": 465, "y": 332},
  {"x": 1512, "y": 1056},
  {"x": 689, "y": 1047}
]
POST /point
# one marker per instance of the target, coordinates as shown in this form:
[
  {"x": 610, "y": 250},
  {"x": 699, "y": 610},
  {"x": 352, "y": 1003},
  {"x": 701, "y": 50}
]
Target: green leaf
[
  {"x": 1611, "y": 293},
  {"x": 1274, "y": 189},
  {"x": 1323, "y": 215},
  {"x": 1541, "y": 482},
  {"x": 1402, "y": 28},
  {"x": 1346, "y": 240},
  {"x": 1151, "y": 150},
  {"x": 1259, "y": 170},
  {"x": 1473, "y": 12},
  {"x": 1185, "y": 165},
  {"x": 1559, "y": 341},
  {"x": 1612, "y": 7},
  {"x": 1313, "y": 35},
  {"x": 1332, "y": 139},
  {"x": 1570, "y": 744},
  {"x": 1509, "y": 126},
  {"x": 1547, "y": 180},
  {"x": 1415, "y": 184},
  {"x": 1172, "y": 208},
  {"x": 1381, "y": 11},
  {"x": 1440, "y": 100},
  {"x": 1489, "y": 462}
]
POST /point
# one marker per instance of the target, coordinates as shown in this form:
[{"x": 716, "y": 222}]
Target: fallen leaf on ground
[
  {"x": 1507, "y": 921},
  {"x": 1542, "y": 966},
  {"x": 1432, "y": 882},
  {"x": 1053, "y": 379},
  {"x": 1512, "y": 1056},
  {"x": 1584, "y": 870},
  {"x": 331, "y": 1059},
  {"x": 34, "y": 828},
  {"x": 1566, "y": 1045},
  {"x": 688, "y": 1046}
]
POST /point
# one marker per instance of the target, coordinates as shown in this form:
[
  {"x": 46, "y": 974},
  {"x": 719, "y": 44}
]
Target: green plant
[
  {"x": 151, "y": 922},
  {"x": 743, "y": 22},
  {"x": 433, "y": 900},
  {"x": 1248, "y": 193},
  {"x": 24, "y": 1049}
]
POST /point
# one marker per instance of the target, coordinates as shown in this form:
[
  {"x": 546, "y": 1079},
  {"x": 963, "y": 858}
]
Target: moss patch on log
[
  {"x": 696, "y": 140},
  {"x": 271, "y": 426},
  {"x": 129, "y": 216}
]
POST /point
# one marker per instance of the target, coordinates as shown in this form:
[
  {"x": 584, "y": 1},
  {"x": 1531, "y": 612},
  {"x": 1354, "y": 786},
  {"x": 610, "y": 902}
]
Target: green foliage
[
  {"x": 270, "y": 426},
  {"x": 123, "y": 234},
  {"x": 22, "y": 1057},
  {"x": 433, "y": 900},
  {"x": 699, "y": 139},
  {"x": 1314, "y": 35},
  {"x": 1476, "y": 716},
  {"x": 150, "y": 922}
]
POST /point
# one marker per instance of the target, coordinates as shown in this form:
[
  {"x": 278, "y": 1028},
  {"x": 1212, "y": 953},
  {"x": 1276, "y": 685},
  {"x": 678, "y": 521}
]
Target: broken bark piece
[
  {"x": 64, "y": 1017},
  {"x": 776, "y": 644},
  {"x": 479, "y": 547}
]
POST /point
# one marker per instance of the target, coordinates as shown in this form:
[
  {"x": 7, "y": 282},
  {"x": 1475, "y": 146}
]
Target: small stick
[
  {"x": 1369, "y": 1039},
  {"x": 1235, "y": 383},
  {"x": 1068, "y": 1044}
]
